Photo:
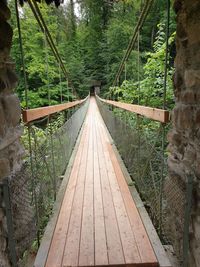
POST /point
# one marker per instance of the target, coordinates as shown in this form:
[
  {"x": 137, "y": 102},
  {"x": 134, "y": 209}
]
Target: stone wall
[
  {"x": 184, "y": 138},
  {"x": 10, "y": 132}
]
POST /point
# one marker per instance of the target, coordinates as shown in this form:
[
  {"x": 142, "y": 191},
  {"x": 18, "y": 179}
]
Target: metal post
[
  {"x": 139, "y": 145},
  {"x": 164, "y": 107},
  {"x": 53, "y": 163},
  {"x": 125, "y": 70},
  {"x": 22, "y": 53},
  {"x": 138, "y": 68},
  {"x": 33, "y": 182},
  {"x": 9, "y": 218},
  {"x": 61, "y": 90},
  {"x": 187, "y": 216},
  {"x": 162, "y": 179},
  {"x": 166, "y": 55}
]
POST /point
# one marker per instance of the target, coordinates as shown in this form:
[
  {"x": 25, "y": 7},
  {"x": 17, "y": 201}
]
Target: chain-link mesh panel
[
  {"x": 142, "y": 145},
  {"x": 33, "y": 189},
  {"x": 24, "y": 222},
  {"x": 174, "y": 215}
]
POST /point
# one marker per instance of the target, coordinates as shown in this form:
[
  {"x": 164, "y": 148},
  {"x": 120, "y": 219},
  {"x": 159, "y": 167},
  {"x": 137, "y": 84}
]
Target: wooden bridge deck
[{"x": 98, "y": 223}]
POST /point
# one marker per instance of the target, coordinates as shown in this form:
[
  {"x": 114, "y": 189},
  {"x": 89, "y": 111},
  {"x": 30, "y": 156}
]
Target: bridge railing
[
  {"x": 29, "y": 195},
  {"x": 140, "y": 136}
]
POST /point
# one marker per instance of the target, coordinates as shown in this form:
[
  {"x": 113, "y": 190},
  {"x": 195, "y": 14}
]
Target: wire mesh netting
[
  {"x": 24, "y": 221},
  {"x": 174, "y": 214},
  {"x": 32, "y": 191},
  {"x": 142, "y": 146}
]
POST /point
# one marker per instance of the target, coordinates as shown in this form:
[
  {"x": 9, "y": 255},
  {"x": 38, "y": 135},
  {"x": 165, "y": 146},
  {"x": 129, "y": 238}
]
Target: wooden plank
[
  {"x": 129, "y": 244},
  {"x": 158, "y": 248},
  {"x": 114, "y": 246},
  {"x": 58, "y": 242},
  {"x": 101, "y": 255},
  {"x": 143, "y": 243},
  {"x": 86, "y": 254},
  {"x": 37, "y": 113},
  {"x": 130, "y": 249},
  {"x": 153, "y": 236},
  {"x": 71, "y": 252},
  {"x": 148, "y": 112}
]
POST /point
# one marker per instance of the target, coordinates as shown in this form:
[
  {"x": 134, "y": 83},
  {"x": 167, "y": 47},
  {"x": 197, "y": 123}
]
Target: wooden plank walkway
[{"x": 98, "y": 223}]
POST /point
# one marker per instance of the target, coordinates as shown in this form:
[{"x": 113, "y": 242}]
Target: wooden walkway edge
[{"x": 96, "y": 222}]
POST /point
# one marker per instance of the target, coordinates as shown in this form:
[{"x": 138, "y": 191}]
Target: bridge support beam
[
  {"x": 10, "y": 132},
  {"x": 184, "y": 159}
]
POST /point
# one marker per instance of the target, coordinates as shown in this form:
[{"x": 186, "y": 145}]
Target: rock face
[
  {"x": 10, "y": 148},
  {"x": 184, "y": 137}
]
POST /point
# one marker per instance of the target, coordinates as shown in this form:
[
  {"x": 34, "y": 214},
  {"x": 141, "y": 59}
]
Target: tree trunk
[{"x": 73, "y": 19}]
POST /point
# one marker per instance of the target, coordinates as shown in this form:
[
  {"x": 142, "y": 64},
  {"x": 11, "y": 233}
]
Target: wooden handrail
[
  {"x": 148, "y": 112},
  {"x": 37, "y": 113}
]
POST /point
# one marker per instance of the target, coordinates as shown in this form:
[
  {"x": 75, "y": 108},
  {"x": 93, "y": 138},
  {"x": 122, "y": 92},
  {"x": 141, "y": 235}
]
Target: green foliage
[
  {"x": 41, "y": 134},
  {"x": 149, "y": 91},
  {"x": 42, "y": 70},
  {"x": 92, "y": 46}
]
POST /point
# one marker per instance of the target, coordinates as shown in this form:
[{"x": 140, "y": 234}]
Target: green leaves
[
  {"x": 42, "y": 70},
  {"x": 149, "y": 91},
  {"x": 92, "y": 46}
]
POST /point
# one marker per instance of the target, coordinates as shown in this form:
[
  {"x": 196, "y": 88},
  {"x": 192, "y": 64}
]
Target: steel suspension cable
[
  {"x": 47, "y": 67},
  {"x": 49, "y": 118},
  {"x": 164, "y": 107},
  {"x": 166, "y": 54},
  {"x": 36, "y": 11},
  {"x": 61, "y": 91},
  {"x": 29, "y": 126},
  {"x": 48, "y": 34},
  {"x": 68, "y": 89},
  {"x": 42, "y": 28},
  {"x": 22, "y": 53},
  {"x": 138, "y": 68},
  {"x": 142, "y": 18},
  {"x": 125, "y": 71},
  {"x": 138, "y": 116},
  {"x": 53, "y": 44}
]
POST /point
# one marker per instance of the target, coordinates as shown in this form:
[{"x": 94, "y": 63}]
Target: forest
[{"x": 91, "y": 37}]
